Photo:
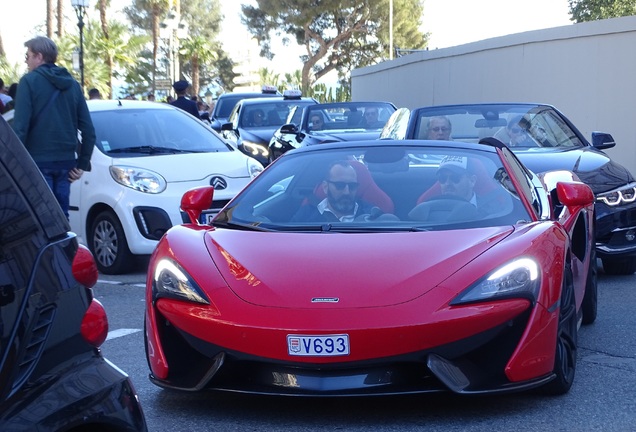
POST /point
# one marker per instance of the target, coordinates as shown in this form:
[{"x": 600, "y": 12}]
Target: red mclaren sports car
[{"x": 382, "y": 267}]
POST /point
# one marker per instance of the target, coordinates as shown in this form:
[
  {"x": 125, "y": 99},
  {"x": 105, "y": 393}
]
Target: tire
[
  {"x": 590, "y": 300},
  {"x": 107, "y": 242},
  {"x": 567, "y": 338},
  {"x": 619, "y": 266}
]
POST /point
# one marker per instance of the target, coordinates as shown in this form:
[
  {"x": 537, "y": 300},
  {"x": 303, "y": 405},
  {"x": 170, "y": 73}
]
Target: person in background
[
  {"x": 439, "y": 128},
  {"x": 370, "y": 119},
  {"x": 5, "y": 99},
  {"x": 50, "y": 109},
  {"x": 517, "y": 129},
  {"x": 94, "y": 94},
  {"x": 182, "y": 102},
  {"x": 316, "y": 122},
  {"x": 151, "y": 97}
]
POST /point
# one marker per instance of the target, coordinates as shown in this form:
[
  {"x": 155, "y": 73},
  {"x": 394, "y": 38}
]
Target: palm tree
[
  {"x": 199, "y": 51},
  {"x": 269, "y": 77},
  {"x": 120, "y": 48}
]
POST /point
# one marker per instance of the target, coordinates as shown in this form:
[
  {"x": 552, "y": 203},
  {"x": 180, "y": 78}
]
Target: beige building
[{"x": 587, "y": 70}]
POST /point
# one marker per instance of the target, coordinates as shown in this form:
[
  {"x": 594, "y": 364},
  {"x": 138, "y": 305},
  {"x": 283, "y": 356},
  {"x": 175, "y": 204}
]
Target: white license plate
[{"x": 318, "y": 346}]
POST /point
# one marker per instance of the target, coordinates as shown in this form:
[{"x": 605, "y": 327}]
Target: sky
[{"x": 450, "y": 23}]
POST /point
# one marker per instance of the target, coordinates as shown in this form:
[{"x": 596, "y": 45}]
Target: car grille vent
[{"x": 35, "y": 339}]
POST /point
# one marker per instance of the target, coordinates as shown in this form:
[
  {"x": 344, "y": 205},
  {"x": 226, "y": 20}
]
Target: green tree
[
  {"x": 269, "y": 77},
  {"x": 11, "y": 73},
  {"x": 591, "y": 10},
  {"x": 203, "y": 30},
  {"x": 337, "y": 34}
]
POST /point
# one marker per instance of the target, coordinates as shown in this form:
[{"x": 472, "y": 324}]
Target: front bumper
[
  {"x": 473, "y": 365},
  {"x": 615, "y": 230}
]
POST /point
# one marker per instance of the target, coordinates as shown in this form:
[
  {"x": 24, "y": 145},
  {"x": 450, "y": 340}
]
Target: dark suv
[
  {"x": 227, "y": 101},
  {"x": 52, "y": 374}
]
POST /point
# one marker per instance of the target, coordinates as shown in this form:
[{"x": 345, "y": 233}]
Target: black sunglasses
[
  {"x": 454, "y": 177},
  {"x": 339, "y": 185}
]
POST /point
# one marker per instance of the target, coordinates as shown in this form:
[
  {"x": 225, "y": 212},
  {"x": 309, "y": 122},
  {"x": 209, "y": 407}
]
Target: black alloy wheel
[
  {"x": 567, "y": 337},
  {"x": 590, "y": 300}
]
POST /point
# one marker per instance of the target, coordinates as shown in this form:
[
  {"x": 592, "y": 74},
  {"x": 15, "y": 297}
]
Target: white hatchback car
[{"x": 146, "y": 156}]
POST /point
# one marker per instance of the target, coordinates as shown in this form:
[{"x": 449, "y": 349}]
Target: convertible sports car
[
  {"x": 331, "y": 122},
  {"x": 543, "y": 139},
  {"x": 415, "y": 290}
]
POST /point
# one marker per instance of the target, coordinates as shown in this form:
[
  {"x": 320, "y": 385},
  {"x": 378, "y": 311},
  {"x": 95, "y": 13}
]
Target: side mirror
[
  {"x": 195, "y": 201},
  {"x": 289, "y": 128},
  {"x": 574, "y": 194},
  {"x": 602, "y": 140},
  {"x": 227, "y": 127}
]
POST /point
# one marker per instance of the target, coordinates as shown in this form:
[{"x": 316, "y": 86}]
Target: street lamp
[
  {"x": 173, "y": 29},
  {"x": 80, "y": 7}
]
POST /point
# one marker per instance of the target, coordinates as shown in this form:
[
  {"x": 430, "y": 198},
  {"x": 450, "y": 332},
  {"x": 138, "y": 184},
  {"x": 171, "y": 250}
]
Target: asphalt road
[{"x": 602, "y": 397}]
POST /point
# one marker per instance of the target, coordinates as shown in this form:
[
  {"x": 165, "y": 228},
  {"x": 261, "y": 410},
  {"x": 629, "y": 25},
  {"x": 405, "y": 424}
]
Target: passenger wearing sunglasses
[
  {"x": 456, "y": 179},
  {"x": 439, "y": 128},
  {"x": 518, "y": 132},
  {"x": 340, "y": 187}
]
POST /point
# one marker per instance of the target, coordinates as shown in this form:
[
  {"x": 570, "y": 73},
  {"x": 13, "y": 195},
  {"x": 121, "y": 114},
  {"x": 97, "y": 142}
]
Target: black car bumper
[
  {"x": 615, "y": 230},
  {"x": 471, "y": 366},
  {"x": 94, "y": 392}
]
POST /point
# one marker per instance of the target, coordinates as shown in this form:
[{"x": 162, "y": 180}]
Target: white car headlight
[
  {"x": 139, "y": 179},
  {"x": 255, "y": 149},
  {"x": 518, "y": 278},
  {"x": 254, "y": 167},
  {"x": 170, "y": 280},
  {"x": 623, "y": 195}
]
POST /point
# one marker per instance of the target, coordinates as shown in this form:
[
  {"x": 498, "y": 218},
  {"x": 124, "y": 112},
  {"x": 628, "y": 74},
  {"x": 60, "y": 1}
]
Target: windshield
[
  {"x": 268, "y": 114},
  {"x": 520, "y": 127},
  {"x": 153, "y": 131},
  {"x": 354, "y": 116},
  {"x": 382, "y": 188}
]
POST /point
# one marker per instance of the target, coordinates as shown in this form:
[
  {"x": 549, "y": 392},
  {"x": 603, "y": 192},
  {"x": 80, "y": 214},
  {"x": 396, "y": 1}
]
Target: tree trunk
[
  {"x": 60, "y": 18},
  {"x": 49, "y": 19},
  {"x": 195, "y": 75}
]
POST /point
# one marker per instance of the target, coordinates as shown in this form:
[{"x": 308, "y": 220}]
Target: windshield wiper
[
  {"x": 240, "y": 226},
  {"x": 302, "y": 228},
  {"x": 149, "y": 149}
]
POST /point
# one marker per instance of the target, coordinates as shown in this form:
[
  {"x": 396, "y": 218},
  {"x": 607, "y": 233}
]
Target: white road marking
[{"x": 121, "y": 332}]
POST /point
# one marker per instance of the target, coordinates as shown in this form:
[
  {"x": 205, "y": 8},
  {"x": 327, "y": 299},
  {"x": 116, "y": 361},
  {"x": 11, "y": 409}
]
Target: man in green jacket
[{"x": 49, "y": 110}]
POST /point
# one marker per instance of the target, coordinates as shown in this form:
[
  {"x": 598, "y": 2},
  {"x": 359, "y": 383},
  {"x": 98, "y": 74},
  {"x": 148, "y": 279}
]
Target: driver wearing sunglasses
[{"x": 340, "y": 187}]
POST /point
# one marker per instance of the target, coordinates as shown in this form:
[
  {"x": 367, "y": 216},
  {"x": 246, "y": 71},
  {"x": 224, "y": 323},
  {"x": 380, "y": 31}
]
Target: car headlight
[
  {"x": 623, "y": 195},
  {"x": 518, "y": 278},
  {"x": 255, "y": 149},
  {"x": 138, "y": 179},
  {"x": 254, "y": 167},
  {"x": 170, "y": 280}
]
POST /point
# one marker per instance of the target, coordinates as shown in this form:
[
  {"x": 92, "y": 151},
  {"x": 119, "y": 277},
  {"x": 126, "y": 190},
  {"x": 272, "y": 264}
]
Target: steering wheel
[{"x": 444, "y": 208}]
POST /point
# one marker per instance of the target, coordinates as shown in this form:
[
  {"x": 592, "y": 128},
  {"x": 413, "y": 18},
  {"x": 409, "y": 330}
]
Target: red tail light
[
  {"x": 94, "y": 327},
  {"x": 84, "y": 267}
]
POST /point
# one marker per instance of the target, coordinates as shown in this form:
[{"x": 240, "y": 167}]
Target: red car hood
[{"x": 298, "y": 270}]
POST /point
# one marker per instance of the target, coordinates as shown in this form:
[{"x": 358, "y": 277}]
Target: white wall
[{"x": 587, "y": 70}]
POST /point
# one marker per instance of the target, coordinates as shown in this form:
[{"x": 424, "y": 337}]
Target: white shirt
[{"x": 323, "y": 206}]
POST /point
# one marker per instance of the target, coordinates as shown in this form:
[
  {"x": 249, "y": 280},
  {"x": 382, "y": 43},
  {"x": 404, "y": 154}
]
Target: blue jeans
[{"x": 60, "y": 185}]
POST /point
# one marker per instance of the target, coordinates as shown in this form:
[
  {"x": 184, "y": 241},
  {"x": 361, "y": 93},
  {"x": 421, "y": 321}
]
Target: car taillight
[
  {"x": 84, "y": 267},
  {"x": 94, "y": 327}
]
